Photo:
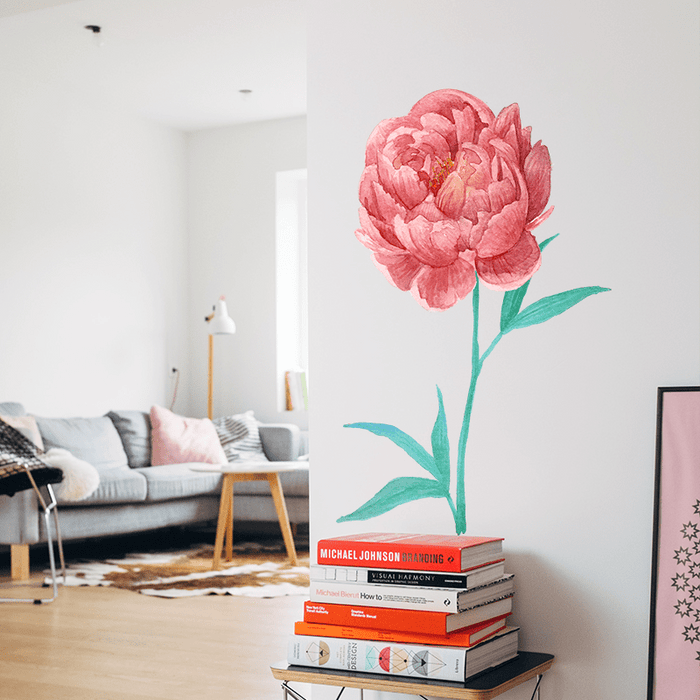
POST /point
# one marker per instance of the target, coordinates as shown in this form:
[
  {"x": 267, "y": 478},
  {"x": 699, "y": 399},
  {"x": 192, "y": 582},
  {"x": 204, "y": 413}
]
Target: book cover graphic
[
  {"x": 371, "y": 657},
  {"x": 400, "y": 577},
  {"x": 454, "y": 553},
  {"x": 411, "y": 598},
  {"x": 419, "y": 661}
]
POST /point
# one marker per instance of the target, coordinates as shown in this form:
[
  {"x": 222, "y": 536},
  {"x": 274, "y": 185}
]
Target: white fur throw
[{"x": 80, "y": 479}]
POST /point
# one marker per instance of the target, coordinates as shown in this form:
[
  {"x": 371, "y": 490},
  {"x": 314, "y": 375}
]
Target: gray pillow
[
  {"x": 94, "y": 440},
  {"x": 134, "y": 428},
  {"x": 11, "y": 408}
]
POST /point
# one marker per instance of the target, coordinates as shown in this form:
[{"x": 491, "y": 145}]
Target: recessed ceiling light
[{"x": 96, "y": 33}]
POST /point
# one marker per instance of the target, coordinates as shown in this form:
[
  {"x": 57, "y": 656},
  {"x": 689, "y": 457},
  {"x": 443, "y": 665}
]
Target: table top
[
  {"x": 251, "y": 467},
  {"x": 485, "y": 686}
]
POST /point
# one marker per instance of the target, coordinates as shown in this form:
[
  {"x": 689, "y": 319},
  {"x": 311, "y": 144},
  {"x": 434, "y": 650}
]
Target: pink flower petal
[
  {"x": 442, "y": 287},
  {"x": 402, "y": 182},
  {"x": 450, "y": 198},
  {"x": 513, "y": 268},
  {"x": 435, "y": 244},
  {"x": 378, "y": 138},
  {"x": 401, "y": 269},
  {"x": 503, "y": 230},
  {"x": 370, "y": 235},
  {"x": 451, "y": 102},
  {"x": 397, "y": 265},
  {"x": 508, "y": 128},
  {"x": 538, "y": 172}
]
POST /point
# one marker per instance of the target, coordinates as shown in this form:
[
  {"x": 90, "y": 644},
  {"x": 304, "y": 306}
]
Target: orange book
[
  {"x": 462, "y": 638},
  {"x": 399, "y": 620},
  {"x": 412, "y": 552}
]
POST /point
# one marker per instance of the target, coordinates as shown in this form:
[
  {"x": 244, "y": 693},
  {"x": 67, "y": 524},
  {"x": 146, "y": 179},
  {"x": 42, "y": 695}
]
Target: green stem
[
  {"x": 460, "y": 515},
  {"x": 452, "y": 507},
  {"x": 491, "y": 347},
  {"x": 461, "y": 518}
]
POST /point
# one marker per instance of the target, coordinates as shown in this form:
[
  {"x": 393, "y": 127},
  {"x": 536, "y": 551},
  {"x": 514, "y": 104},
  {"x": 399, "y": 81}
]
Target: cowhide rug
[{"x": 257, "y": 570}]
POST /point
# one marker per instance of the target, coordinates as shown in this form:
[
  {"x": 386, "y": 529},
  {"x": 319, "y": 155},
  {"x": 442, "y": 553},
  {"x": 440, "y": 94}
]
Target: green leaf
[
  {"x": 512, "y": 301},
  {"x": 549, "y": 307},
  {"x": 441, "y": 444},
  {"x": 412, "y": 448},
  {"x": 397, "y": 492},
  {"x": 547, "y": 241}
]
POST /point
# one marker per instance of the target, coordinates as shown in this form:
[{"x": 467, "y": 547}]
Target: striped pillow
[{"x": 240, "y": 437}]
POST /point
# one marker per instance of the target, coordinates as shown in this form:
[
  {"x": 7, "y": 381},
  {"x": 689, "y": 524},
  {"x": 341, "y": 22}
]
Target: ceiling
[{"x": 181, "y": 63}]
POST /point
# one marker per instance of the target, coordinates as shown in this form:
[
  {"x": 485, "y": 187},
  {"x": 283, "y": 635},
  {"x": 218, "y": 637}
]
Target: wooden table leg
[
  {"x": 19, "y": 562},
  {"x": 229, "y": 527},
  {"x": 225, "y": 508},
  {"x": 282, "y": 515}
]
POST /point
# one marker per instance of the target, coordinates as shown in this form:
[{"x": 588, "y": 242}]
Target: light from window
[{"x": 292, "y": 290}]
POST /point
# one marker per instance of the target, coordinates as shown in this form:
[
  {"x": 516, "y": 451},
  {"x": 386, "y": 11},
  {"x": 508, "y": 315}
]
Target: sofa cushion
[
  {"x": 281, "y": 441},
  {"x": 94, "y": 440},
  {"x": 25, "y": 425},
  {"x": 230, "y": 431},
  {"x": 177, "y": 440},
  {"x": 169, "y": 481},
  {"x": 118, "y": 485},
  {"x": 248, "y": 447},
  {"x": 11, "y": 408},
  {"x": 134, "y": 428}
]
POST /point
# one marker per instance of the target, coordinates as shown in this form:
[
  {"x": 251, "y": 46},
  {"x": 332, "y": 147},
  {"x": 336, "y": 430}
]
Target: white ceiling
[{"x": 178, "y": 62}]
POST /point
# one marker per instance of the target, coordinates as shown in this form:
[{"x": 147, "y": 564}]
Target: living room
[
  {"x": 138, "y": 176},
  {"x": 561, "y": 446}
]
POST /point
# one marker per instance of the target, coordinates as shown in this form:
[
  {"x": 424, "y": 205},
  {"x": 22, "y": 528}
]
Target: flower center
[{"x": 441, "y": 169}]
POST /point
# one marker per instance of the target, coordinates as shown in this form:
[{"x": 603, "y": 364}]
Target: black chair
[{"x": 21, "y": 468}]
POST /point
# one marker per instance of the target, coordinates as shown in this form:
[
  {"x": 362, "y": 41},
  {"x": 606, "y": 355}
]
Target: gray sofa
[{"x": 133, "y": 496}]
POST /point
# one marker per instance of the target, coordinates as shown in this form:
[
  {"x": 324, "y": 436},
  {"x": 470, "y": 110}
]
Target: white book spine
[
  {"x": 407, "y": 598},
  {"x": 397, "y": 577},
  {"x": 440, "y": 663}
]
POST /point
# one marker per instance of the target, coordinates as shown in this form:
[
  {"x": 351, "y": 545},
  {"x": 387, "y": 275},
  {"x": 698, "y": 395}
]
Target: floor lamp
[{"x": 220, "y": 323}]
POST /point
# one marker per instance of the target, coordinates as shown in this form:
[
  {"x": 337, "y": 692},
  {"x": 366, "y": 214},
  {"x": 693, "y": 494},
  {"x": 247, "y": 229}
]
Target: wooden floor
[{"x": 109, "y": 644}]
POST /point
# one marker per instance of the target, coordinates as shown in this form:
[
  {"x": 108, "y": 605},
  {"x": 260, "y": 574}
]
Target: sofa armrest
[
  {"x": 19, "y": 518},
  {"x": 280, "y": 441}
]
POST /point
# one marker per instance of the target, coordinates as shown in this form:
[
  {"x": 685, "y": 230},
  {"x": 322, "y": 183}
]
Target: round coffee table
[{"x": 250, "y": 471}]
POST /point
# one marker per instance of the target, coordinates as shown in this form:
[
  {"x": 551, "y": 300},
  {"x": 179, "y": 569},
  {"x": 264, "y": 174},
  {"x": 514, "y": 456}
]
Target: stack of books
[{"x": 427, "y": 606}]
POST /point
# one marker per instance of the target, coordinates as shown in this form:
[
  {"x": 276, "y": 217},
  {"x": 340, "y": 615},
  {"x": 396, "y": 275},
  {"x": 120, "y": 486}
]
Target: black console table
[{"x": 526, "y": 666}]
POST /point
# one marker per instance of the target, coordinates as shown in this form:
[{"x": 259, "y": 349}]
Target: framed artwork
[{"x": 674, "y": 631}]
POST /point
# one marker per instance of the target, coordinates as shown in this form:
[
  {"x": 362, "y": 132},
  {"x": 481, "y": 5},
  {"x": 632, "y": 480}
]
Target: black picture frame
[{"x": 674, "y": 629}]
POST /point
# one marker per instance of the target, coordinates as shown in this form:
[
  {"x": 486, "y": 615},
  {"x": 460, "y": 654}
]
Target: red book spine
[
  {"x": 411, "y": 555},
  {"x": 462, "y": 638},
  {"x": 376, "y": 618}
]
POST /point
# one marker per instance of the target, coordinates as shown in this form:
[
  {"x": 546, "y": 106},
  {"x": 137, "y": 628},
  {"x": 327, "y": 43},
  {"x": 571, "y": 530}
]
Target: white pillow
[
  {"x": 80, "y": 479},
  {"x": 248, "y": 447}
]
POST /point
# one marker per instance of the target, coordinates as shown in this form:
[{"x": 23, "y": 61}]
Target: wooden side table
[
  {"x": 250, "y": 471},
  {"x": 526, "y": 666}
]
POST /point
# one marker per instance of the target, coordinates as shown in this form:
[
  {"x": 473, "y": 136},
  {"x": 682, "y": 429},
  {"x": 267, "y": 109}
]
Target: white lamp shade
[{"x": 221, "y": 323}]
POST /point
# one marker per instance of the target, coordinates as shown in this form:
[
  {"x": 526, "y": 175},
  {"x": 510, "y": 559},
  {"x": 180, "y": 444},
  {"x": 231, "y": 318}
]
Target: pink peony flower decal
[
  {"x": 451, "y": 191},
  {"x": 450, "y": 196}
]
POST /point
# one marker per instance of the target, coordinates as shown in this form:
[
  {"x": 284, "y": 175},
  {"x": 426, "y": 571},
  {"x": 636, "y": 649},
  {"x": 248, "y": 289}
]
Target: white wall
[
  {"x": 560, "y": 459},
  {"x": 231, "y": 224},
  {"x": 92, "y": 248}
]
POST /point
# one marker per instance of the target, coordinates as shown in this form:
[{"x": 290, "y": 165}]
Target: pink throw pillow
[{"x": 175, "y": 439}]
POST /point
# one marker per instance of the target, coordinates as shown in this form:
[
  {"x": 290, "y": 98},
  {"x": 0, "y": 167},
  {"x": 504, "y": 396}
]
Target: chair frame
[{"x": 19, "y": 457}]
